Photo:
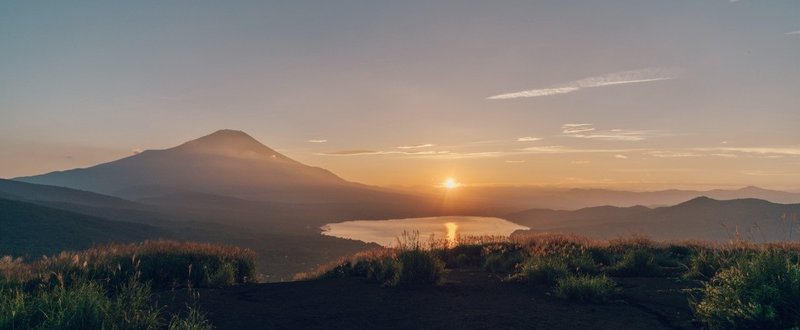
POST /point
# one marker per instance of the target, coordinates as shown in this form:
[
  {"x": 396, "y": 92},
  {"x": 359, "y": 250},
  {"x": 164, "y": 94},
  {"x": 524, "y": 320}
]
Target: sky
[{"x": 632, "y": 94}]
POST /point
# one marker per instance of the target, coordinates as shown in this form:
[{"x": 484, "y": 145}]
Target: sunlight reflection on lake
[{"x": 385, "y": 232}]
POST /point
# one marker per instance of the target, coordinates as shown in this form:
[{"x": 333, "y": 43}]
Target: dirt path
[{"x": 469, "y": 299}]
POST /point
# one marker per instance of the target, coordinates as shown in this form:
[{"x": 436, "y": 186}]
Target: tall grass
[
  {"x": 762, "y": 292},
  {"x": 747, "y": 285},
  {"x": 109, "y": 287}
]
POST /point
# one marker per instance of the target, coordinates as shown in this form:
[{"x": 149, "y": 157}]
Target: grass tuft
[{"x": 585, "y": 287}]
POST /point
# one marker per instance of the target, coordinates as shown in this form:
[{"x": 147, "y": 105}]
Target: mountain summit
[
  {"x": 226, "y": 162},
  {"x": 231, "y": 143}
]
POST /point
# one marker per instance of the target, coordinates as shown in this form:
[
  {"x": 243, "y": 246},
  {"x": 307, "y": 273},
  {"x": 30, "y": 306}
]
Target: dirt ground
[{"x": 468, "y": 299}]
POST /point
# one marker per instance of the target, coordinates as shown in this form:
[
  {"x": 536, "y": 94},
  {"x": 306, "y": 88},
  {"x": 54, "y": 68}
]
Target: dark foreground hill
[{"x": 30, "y": 229}]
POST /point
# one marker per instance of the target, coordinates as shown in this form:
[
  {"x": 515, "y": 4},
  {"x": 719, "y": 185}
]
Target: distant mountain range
[
  {"x": 701, "y": 218},
  {"x": 522, "y": 197}
]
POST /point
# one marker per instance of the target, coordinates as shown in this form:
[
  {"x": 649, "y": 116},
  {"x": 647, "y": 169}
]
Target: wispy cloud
[
  {"x": 318, "y": 141},
  {"x": 671, "y": 154},
  {"x": 416, "y": 146},
  {"x": 769, "y": 173},
  {"x": 457, "y": 152},
  {"x": 576, "y": 128},
  {"x": 587, "y": 131},
  {"x": 514, "y": 161},
  {"x": 725, "y": 155},
  {"x": 616, "y": 78},
  {"x": 784, "y": 151},
  {"x": 791, "y": 33},
  {"x": 528, "y": 139},
  {"x": 359, "y": 152}
]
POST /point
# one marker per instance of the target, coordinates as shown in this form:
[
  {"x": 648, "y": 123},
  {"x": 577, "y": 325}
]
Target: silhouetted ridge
[{"x": 226, "y": 162}]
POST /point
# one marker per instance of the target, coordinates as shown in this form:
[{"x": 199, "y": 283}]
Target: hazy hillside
[
  {"x": 17, "y": 190},
  {"x": 522, "y": 197},
  {"x": 699, "y": 218},
  {"x": 30, "y": 229}
]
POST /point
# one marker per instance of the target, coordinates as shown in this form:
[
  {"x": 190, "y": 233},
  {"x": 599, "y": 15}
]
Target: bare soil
[{"x": 468, "y": 299}]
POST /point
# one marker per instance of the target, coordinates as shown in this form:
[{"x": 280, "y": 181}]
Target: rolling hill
[
  {"x": 700, "y": 218},
  {"x": 30, "y": 229}
]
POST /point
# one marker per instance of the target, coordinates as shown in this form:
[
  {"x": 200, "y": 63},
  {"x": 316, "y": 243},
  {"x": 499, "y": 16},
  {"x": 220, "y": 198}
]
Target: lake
[{"x": 386, "y": 232}]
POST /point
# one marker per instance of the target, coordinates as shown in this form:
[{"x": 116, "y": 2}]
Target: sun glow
[{"x": 450, "y": 183}]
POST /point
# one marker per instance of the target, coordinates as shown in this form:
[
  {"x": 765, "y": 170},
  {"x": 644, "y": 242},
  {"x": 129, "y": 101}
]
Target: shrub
[
  {"x": 707, "y": 263},
  {"x": 584, "y": 287},
  {"x": 501, "y": 258},
  {"x": 463, "y": 255},
  {"x": 419, "y": 267},
  {"x": 582, "y": 264},
  {"x": 638, "y": 262},
  {"x": 194, "y": 319},
  {"x": 544, "y": 269},
  {"x": 760, "y": 293}
]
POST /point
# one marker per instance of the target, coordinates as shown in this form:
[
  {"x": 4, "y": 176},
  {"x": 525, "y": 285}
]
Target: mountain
[
  {"x": 526, "y": 197},
  {"x": 30, "y": 229},
  {"x": 226, "y": 162},
  {"x": 700, "y": 218}
]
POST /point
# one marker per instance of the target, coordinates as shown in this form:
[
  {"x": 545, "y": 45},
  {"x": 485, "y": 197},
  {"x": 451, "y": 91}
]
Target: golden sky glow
[{"x": 702, "y": 95}]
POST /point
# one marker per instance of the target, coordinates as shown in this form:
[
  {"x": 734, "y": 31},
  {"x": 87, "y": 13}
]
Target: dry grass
[{"x": 109, "y": 286}]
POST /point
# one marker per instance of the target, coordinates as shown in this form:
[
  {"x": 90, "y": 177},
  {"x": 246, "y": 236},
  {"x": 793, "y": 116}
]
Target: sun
[{"x": 450, "y": 183}]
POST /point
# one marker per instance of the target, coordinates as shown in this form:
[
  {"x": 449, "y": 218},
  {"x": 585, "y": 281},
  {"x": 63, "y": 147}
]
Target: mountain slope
[
  {"x": 51, "y": 194},
  {"x": 699, "y": 218},
  {"x": 31, "y": 229},
  {"x": 226, "y": 162}
]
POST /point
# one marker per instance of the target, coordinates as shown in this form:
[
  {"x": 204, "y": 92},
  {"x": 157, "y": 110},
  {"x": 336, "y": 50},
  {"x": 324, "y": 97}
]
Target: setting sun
[{"x": 450, "y": 183}]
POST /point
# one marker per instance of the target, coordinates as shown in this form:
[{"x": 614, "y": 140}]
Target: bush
[
  {"x": 501, "y": 258},
  {"x": 419, "y": 267},
  {"x": 638, "y": 262},
  {"x": 584, "y": 287},
  {"x": 760, "y": 293},
  {"x": 707, "y": 263},
  {"x": 193, "y": 320},
  {"x": 582, "y": 264},
  {"x": 544, "y": 269}
]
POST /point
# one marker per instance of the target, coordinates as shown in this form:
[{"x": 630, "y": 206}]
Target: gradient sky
[{"x": 623, "y": 94}]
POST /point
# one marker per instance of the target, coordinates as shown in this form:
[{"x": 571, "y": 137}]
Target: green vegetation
[
  {"x": 109, "y": 287},
  {"x": 585, "y": 287},
  {"x": 759, "y": 293},
  {"x": 744, "y": 285},
  {"x": 409, "y": 264}
]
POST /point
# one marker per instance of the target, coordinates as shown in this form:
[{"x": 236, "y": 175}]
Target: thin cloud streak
[
  {"x": 528, "y": 139},
  {"x": 416, "y": 146},
  {"x": 578, "y": 130},
  {"x": 318, "y": 141},
  {"x": 611, "y": 79},
  {"x": 790, "y": 33}
]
